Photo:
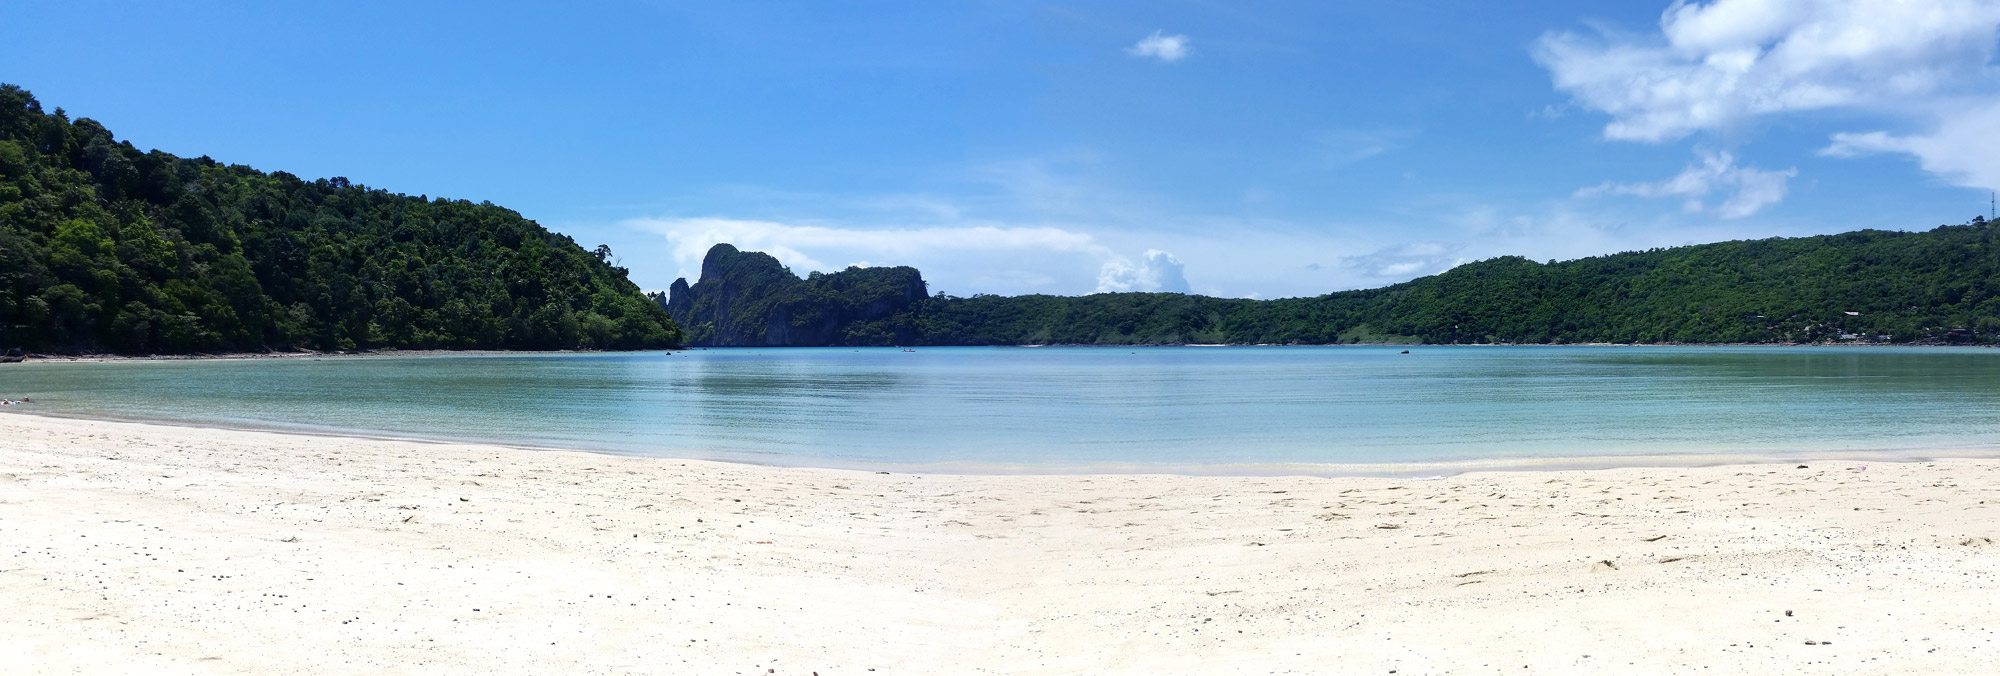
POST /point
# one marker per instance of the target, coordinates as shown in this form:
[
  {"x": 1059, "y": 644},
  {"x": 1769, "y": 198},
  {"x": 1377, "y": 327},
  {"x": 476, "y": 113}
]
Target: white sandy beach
[{"x": 128, "y": 548}]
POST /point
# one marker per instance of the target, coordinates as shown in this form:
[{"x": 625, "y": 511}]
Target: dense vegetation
[
  {"x": 749, "y": 298},
  {"x": 1871, "y": 286},
  {"x": 106, "y": 248}
]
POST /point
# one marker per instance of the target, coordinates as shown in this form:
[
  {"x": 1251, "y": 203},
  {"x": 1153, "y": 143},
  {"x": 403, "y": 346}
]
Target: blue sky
[{"x": 1235, "y": 149}]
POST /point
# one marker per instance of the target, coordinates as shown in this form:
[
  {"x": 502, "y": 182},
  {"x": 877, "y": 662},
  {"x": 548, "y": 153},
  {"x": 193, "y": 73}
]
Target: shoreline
[
  {"x": 149, "y": 548},
  {"x": 1420, "y": 470},
  {"x": 367, "y": 354},
  {"x": 83, "y": 358}
]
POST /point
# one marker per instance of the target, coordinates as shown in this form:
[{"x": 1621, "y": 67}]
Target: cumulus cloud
[
  {"x": 1745, "y": 190},
  {"x": 1156, "y": 271},
  {"x": 1717, "y": 64},
  {"x": 1963, "y": 148},
  {"x": 1167, "y": 48}
]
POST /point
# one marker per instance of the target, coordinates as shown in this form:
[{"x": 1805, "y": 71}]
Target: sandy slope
[{"x": 144, "y": 549}]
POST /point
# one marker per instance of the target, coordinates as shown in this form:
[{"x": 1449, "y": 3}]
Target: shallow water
[{"x": 1066, "y": 408}]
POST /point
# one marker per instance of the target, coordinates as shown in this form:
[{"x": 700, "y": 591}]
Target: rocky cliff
[{"x": 748, "y": 298}]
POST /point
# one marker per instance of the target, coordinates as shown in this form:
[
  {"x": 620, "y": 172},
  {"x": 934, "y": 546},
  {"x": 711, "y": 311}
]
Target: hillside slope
[
  {"x": 106, "y": 248},
  {"x": 1875, "y": 286}
]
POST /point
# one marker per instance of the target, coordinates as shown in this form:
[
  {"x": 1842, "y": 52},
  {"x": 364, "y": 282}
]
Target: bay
[{"x": 1065, "y": 409}]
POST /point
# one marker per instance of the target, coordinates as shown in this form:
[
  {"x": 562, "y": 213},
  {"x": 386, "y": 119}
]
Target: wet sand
[{"x": 131, "y": 548}]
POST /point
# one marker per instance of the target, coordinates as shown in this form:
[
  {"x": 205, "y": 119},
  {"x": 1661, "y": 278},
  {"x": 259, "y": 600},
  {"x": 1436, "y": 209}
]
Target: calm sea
[{"x": 1090, "y": 408}]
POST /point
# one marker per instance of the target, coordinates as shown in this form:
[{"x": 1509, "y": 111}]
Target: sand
[{"x": 129, "y": 548}]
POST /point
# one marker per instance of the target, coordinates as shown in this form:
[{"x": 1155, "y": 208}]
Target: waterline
[{"x": 1335, "y": 410}]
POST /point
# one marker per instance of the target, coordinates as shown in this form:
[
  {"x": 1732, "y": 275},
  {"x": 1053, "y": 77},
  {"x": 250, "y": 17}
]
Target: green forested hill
[
  {"x": 1937, "y": 286},
  {"x": 1910, "y": 286},
  {"x": 106, "y": 248}
]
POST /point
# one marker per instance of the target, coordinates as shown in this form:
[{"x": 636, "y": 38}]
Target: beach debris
[
  {"x": 1656, "y": 538},
  {"x": 294, "y": 538},
  {"x": 1332, "y": 516},
  {"x": 465, "y": 499},
  {"x": 1476, "y": 572},
  {"x": 1788, "y": 613},
  {"x": 1219, "y": 593},
  {"x": 1672, "y": 559},
  {"x": 1802, "y": 467},
  {"x": 1605, "y": 564},
  {"x": 1388, "y": 526}
]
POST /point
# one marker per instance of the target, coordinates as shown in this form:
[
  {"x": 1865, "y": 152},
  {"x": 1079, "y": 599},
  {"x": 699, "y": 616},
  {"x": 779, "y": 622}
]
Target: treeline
[
  {"x": 106, "y": 248},
  {"x": 1940, "y": 286}
]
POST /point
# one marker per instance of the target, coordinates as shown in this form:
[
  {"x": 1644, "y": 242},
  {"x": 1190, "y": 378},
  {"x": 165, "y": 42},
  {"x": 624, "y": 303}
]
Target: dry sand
[{"x": 129, "y": 548}]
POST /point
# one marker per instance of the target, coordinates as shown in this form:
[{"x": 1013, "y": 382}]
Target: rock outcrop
[{"x": 748, "y": 298}]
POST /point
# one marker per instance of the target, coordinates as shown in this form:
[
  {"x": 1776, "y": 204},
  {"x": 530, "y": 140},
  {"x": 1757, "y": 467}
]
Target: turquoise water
[{"x": 1064, "y": 408}]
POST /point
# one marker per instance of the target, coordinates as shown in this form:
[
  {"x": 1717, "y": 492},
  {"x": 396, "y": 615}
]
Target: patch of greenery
[
  {"x": 106, "y": 248},
  {"x": 1940, "y": 286}
]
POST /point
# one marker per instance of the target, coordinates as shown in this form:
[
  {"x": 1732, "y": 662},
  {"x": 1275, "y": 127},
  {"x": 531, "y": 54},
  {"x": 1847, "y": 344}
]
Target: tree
[{"x": 106, "y": 248}]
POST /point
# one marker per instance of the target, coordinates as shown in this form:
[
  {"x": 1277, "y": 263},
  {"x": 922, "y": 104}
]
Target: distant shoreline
[
  {"x": 1427, "y": 469},
  {"x": 365, "y": 354},
  {"x": 359, "y": 354}
]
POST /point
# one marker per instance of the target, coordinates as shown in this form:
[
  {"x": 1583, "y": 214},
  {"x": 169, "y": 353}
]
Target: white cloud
[
  {"x": 1167, "y": 48},
  {"x": 1345, "y": 146},
  {"x": 1747, "y": 190},
  {"x": 692, "y": 237},
  {"x": 1963, "y": 148},
  {"x": 1718, "y": 64},
  {"x": 1156, "y": 271},
  {"x": 994, "y": 258},
  {"x": 1406, "y": 261}
]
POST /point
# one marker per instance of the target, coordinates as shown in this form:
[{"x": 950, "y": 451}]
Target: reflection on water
[{"x": 1055, "y": 407}]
